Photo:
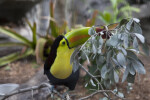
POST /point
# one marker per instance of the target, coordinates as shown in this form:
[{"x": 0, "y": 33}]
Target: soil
[{"x": 22, "y": 70}]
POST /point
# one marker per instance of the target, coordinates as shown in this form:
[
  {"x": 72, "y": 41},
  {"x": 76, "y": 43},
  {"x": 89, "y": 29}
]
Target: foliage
[
  {"x": 119, "y": 9},
  {"x": 39, "y": 47},
  {"x": 114, "y": 56}
]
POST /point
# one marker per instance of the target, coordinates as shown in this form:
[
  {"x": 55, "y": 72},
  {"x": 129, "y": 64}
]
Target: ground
[{"x": 22, "y": 70}]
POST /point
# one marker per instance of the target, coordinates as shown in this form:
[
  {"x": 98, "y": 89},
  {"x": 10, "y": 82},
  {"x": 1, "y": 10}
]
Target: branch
[
  {"x": 94, "y": 79},
  {"x": 100, "y": 91},
  {"x": 31, "y": 89}
]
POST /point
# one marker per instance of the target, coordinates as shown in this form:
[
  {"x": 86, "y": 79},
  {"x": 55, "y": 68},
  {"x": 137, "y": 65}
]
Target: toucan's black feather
[{"x": 71, "y": 81}]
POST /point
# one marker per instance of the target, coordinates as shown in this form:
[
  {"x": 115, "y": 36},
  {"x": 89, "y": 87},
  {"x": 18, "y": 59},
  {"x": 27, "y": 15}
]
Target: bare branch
[
  {"x": 100, "y": 91},
  {"x": 31, "y": 89}
]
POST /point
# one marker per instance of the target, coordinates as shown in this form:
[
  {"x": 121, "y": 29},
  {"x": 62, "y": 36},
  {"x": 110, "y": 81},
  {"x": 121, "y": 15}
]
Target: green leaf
[
  {"x": 8, "y": 44},
  {"x": 14, "y": 56},
  {"x": 15, "y": 35}
]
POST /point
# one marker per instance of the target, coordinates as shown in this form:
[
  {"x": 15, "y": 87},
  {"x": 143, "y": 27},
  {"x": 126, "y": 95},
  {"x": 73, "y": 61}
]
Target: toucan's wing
[{"x": 53, "y": 53}]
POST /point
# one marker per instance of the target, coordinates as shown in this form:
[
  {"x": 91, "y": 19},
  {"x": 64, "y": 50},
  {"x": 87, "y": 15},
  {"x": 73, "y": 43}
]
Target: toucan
[{"x": 57, "y": 66}]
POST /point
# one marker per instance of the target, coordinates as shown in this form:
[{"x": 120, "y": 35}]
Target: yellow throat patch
[{"x": 61, "y": 67}]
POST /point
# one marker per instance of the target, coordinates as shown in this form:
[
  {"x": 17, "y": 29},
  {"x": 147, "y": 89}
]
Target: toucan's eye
[{"x": 63, "y": 43}]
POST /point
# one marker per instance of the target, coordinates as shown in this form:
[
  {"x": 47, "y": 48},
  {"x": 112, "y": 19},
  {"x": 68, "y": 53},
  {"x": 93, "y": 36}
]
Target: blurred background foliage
[{"x": 40, "y": 45}]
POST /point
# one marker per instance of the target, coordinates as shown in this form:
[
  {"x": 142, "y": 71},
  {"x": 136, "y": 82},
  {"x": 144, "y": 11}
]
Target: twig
[
  {"x": 94, "y": 79},
  {"x": 31, "y": 89},
  {"x": 100, "y": 91}
]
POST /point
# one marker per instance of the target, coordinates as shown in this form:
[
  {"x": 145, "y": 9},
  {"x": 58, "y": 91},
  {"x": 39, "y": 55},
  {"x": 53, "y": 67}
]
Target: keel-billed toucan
[{"x": 57, "y": 66}]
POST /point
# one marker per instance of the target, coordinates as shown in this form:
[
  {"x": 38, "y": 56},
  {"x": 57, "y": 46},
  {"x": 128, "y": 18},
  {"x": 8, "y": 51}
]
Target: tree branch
[
  {"x": 100, "y": 91},
  {"x": 31, "y": 89}
]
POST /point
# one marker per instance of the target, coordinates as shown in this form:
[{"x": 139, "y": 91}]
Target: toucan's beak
[{"x": 77, "y": 37}]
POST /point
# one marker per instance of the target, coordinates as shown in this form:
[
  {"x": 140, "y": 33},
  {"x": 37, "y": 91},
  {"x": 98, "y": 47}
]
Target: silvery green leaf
[
  {"x": 104, "y": 71},
  {"x": 136, "y": 20},
  {"x": 126, "y": 41},
  {"x": 124, "y": 51},
  {"x": 132, "y": 55},
  {"x": 113, "y": 41},
  {"x": 93, "y": 84},
  {"x": 120, "y": 94},
  {"x": 8, "y": 88},
  {"x": 125, "y": 74},
  {"x": 91, "y": 31},
  {"x": 86, "y": 85},
  {"x": 131, "y": 69},
  {"x": 109, "y": 55},
  {"x": 121, "y": 59},
  {"x": 73, "y": 55},
  {"x": 138, "y": 66},
  {"x": 100, "y": 60},
  {"x": 137, "y": 28},
  {"x": 129, "y": 24},
  {"x": 135, "y": 44},
  {"x": 104, "y": 98},
  {"x": 94, "y": 49},
  {"x": 75, "y": 66},
  {"x": 100, "y": 40},
  {"x": 145, "y": 48},
  {"x": 140, "y": 37},
  {"x": 116, "y": 77},
  {"x": 116, "y": 62}
]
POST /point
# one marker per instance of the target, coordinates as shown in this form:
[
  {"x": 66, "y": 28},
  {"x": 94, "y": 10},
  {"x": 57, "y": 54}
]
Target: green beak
[{"x": 77, "y": 37}]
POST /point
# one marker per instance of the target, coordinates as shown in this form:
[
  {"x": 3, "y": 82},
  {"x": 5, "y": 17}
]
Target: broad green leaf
[
  {"x": 15, "y": 35},
  {"x": 140, "y": 37}
]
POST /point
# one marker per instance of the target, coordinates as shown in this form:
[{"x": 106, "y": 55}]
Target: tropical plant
[
  {"x": 118, "y": 10},
  {"x": 110, "y": 58}
]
